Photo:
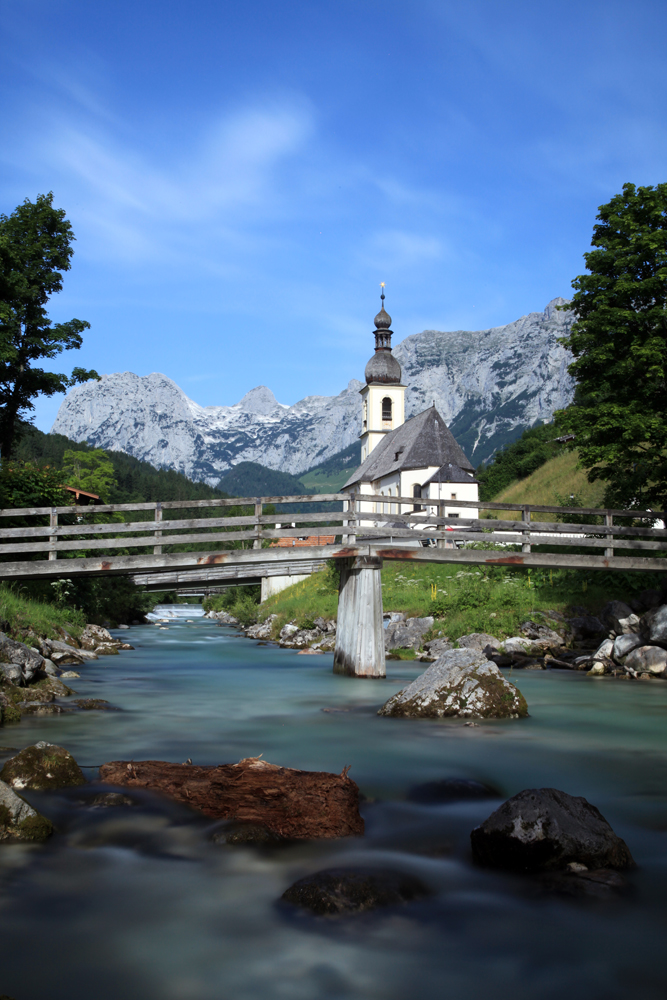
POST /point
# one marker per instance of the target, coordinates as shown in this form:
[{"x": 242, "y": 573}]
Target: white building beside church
[{"x": 418, "y": 457}]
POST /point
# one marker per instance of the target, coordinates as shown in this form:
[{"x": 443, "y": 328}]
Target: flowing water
[{"x": 137, "y": 903}]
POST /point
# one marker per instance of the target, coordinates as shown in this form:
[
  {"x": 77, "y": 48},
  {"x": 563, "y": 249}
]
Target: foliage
[
  {"x": 101, "y": 600},
  {"x": 619, "y": 342},
  {"x": 136, "y": 481},
  {"x": 35, "y": 249},
  {"x": 91, "y": 471},
  {"x": 241, "y": 602},
  {"x": 23, "y": 484},
  {"x": 22, "y": 615},
  {"x": 518, "y": 460}
]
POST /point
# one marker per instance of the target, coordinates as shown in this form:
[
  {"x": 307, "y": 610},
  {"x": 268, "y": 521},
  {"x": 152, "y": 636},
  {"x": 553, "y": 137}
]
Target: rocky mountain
[{"x": 489, "y": 386}]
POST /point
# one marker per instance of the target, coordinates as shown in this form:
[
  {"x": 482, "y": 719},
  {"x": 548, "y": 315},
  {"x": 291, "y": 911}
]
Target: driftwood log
[{"x": 290, "y": 803}]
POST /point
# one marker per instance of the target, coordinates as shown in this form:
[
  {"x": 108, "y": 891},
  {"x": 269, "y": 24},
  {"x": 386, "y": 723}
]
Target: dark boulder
[
  {"x": 653, "y": 626},
  {"x": 619, "y": 617},
  {"x": 450, "y": 790},
  {"x": 650, "y": 599},
  {"x": 95, "y": 705},
  {"x": 585, "y": 629},
  {"x": 42, "y": 766},
  {"x": 344, "y": 891},
  {"x": 292, "y": 804},
  {"x": 544, "y": 828}
]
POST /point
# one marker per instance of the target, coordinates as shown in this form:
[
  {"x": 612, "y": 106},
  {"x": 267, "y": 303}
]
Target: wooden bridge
[{"x": 159, "y": 547}]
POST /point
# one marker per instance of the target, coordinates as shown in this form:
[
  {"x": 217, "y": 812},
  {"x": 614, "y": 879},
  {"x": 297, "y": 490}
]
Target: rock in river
[
  {"x": 339, "y": 892},
  {"x": 543, "y": 828},
  {"x": 18, "y": 820},
  {"x": 461, "y": 682},
  {"x": 290, "y": 803},
  {"x": 647, "y": 660},
  {"x": 42, "y": 766}
]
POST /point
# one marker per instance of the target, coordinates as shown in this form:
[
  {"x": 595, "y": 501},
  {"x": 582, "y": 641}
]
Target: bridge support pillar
[{"x": 359, "y": 632}]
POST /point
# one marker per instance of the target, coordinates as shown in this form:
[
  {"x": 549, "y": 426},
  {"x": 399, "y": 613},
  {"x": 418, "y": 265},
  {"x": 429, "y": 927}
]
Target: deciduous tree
[
  {"x": 619, "y": 342},
  {"x": 35, "y": 249}
]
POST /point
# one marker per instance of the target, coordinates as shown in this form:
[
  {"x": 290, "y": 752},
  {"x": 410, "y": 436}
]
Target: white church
[{"x": 417, "y": 458}]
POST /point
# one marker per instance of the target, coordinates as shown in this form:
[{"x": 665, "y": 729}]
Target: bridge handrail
[{"x": 327, "y": 498}]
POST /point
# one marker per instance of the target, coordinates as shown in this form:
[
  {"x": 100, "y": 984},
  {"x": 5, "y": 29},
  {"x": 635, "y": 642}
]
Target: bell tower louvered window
[{"x": 386, "y": 410}]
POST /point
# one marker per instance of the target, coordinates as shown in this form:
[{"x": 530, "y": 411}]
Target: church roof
[
  {"x": 450, "y": 472},
  {"x": 422, "y": 441}
]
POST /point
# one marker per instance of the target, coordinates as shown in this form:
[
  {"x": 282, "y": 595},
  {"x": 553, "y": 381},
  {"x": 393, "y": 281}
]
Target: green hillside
[
  {"x": 558, "y": 477},
  {"x": 250, "y": 479},
  {"x": 330, "y": 476}
]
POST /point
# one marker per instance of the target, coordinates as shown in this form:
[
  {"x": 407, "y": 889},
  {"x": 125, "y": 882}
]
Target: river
[{"x": 137, "y": 903}]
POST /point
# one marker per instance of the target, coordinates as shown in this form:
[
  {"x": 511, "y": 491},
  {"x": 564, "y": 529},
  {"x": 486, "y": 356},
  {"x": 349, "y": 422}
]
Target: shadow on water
[{"x": 137, "y": 901}]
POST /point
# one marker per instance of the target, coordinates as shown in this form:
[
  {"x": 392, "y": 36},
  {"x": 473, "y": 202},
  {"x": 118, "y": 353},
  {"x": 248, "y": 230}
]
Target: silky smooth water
[{"x": 138, "y": 903}]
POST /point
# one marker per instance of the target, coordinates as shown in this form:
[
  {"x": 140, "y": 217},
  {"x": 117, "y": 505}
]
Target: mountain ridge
[{"x": 489, "y": 385}]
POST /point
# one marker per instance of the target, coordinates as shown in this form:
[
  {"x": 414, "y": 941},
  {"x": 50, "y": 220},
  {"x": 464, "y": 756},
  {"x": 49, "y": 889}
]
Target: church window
[
  {"x": 453, "y": 496},
  {"x": 386, "y": 408},
  {"x": 417, "y": 492},
  {"x": 365, "y": 414}
]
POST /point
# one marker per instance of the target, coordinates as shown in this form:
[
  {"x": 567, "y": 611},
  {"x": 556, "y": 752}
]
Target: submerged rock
[
  {"x": 18, "y": 820},
  {"x": 450, "y": 790},
  {"x": 344, "y": 891},
  {"x": 246, "y": 835},
  {"x": 290, "y": 803},
  {"x": 42, "y": 766},
  {"x": 544, "y": 828},
  {"x": 461, "y": 682},
  {"x": 95, "y": 705}
]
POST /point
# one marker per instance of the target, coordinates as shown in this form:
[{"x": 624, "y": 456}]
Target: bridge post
[{"x": 359, "y": 633}]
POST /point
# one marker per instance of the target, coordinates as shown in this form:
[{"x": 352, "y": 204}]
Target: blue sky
[{"x": 241, "y": 176}]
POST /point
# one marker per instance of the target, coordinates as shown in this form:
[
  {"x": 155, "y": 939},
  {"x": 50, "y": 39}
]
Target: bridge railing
[{"x": 364, "y": 518}]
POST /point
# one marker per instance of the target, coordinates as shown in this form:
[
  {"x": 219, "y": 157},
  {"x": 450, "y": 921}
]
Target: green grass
[
  {"x": 560, "y": 475},
  {"x": 463, "y": 599},
  {"x": 20, "y": 616}
]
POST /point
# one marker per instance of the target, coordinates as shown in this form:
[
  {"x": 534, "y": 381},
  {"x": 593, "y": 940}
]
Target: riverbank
[{"x": 461, "y": 600}]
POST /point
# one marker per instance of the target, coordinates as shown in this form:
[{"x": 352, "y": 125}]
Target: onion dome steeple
[{"x": 383, "y": 366}]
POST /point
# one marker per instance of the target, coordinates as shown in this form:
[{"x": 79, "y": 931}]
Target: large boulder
[
  {"x": 408, "y": 634},
  {"x": 436, "y": 647},
  {"x": 478, "y": 641},
  {"x": 653, "y": 626},
  {"x": 619, "y": 617},
  {"x": 647, "y": 660},
  {"x": 262, "y": 630},
  {"x": 585, "y": 629},
  {"x": 94, "y": 636},
  {"x": 544, "y": 828},
  {"x": 289, "y": 803},
  {"x": 18, "y": 820},
  {"x": 343, "y": 891},
  {"x": 30, "y": 661},
  {"x": 42, "y": 766},
  {"x": 624, "y": 644},
  {"x": 461, "y": 682}
]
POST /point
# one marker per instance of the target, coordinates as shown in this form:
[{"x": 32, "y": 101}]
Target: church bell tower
[{"x": 383, "y": 396}]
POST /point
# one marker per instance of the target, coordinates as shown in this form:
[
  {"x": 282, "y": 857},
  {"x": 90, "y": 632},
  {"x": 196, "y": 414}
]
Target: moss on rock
[
  {"x": 42, "y": 766},
  {"x": 462, "y": 682}
]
